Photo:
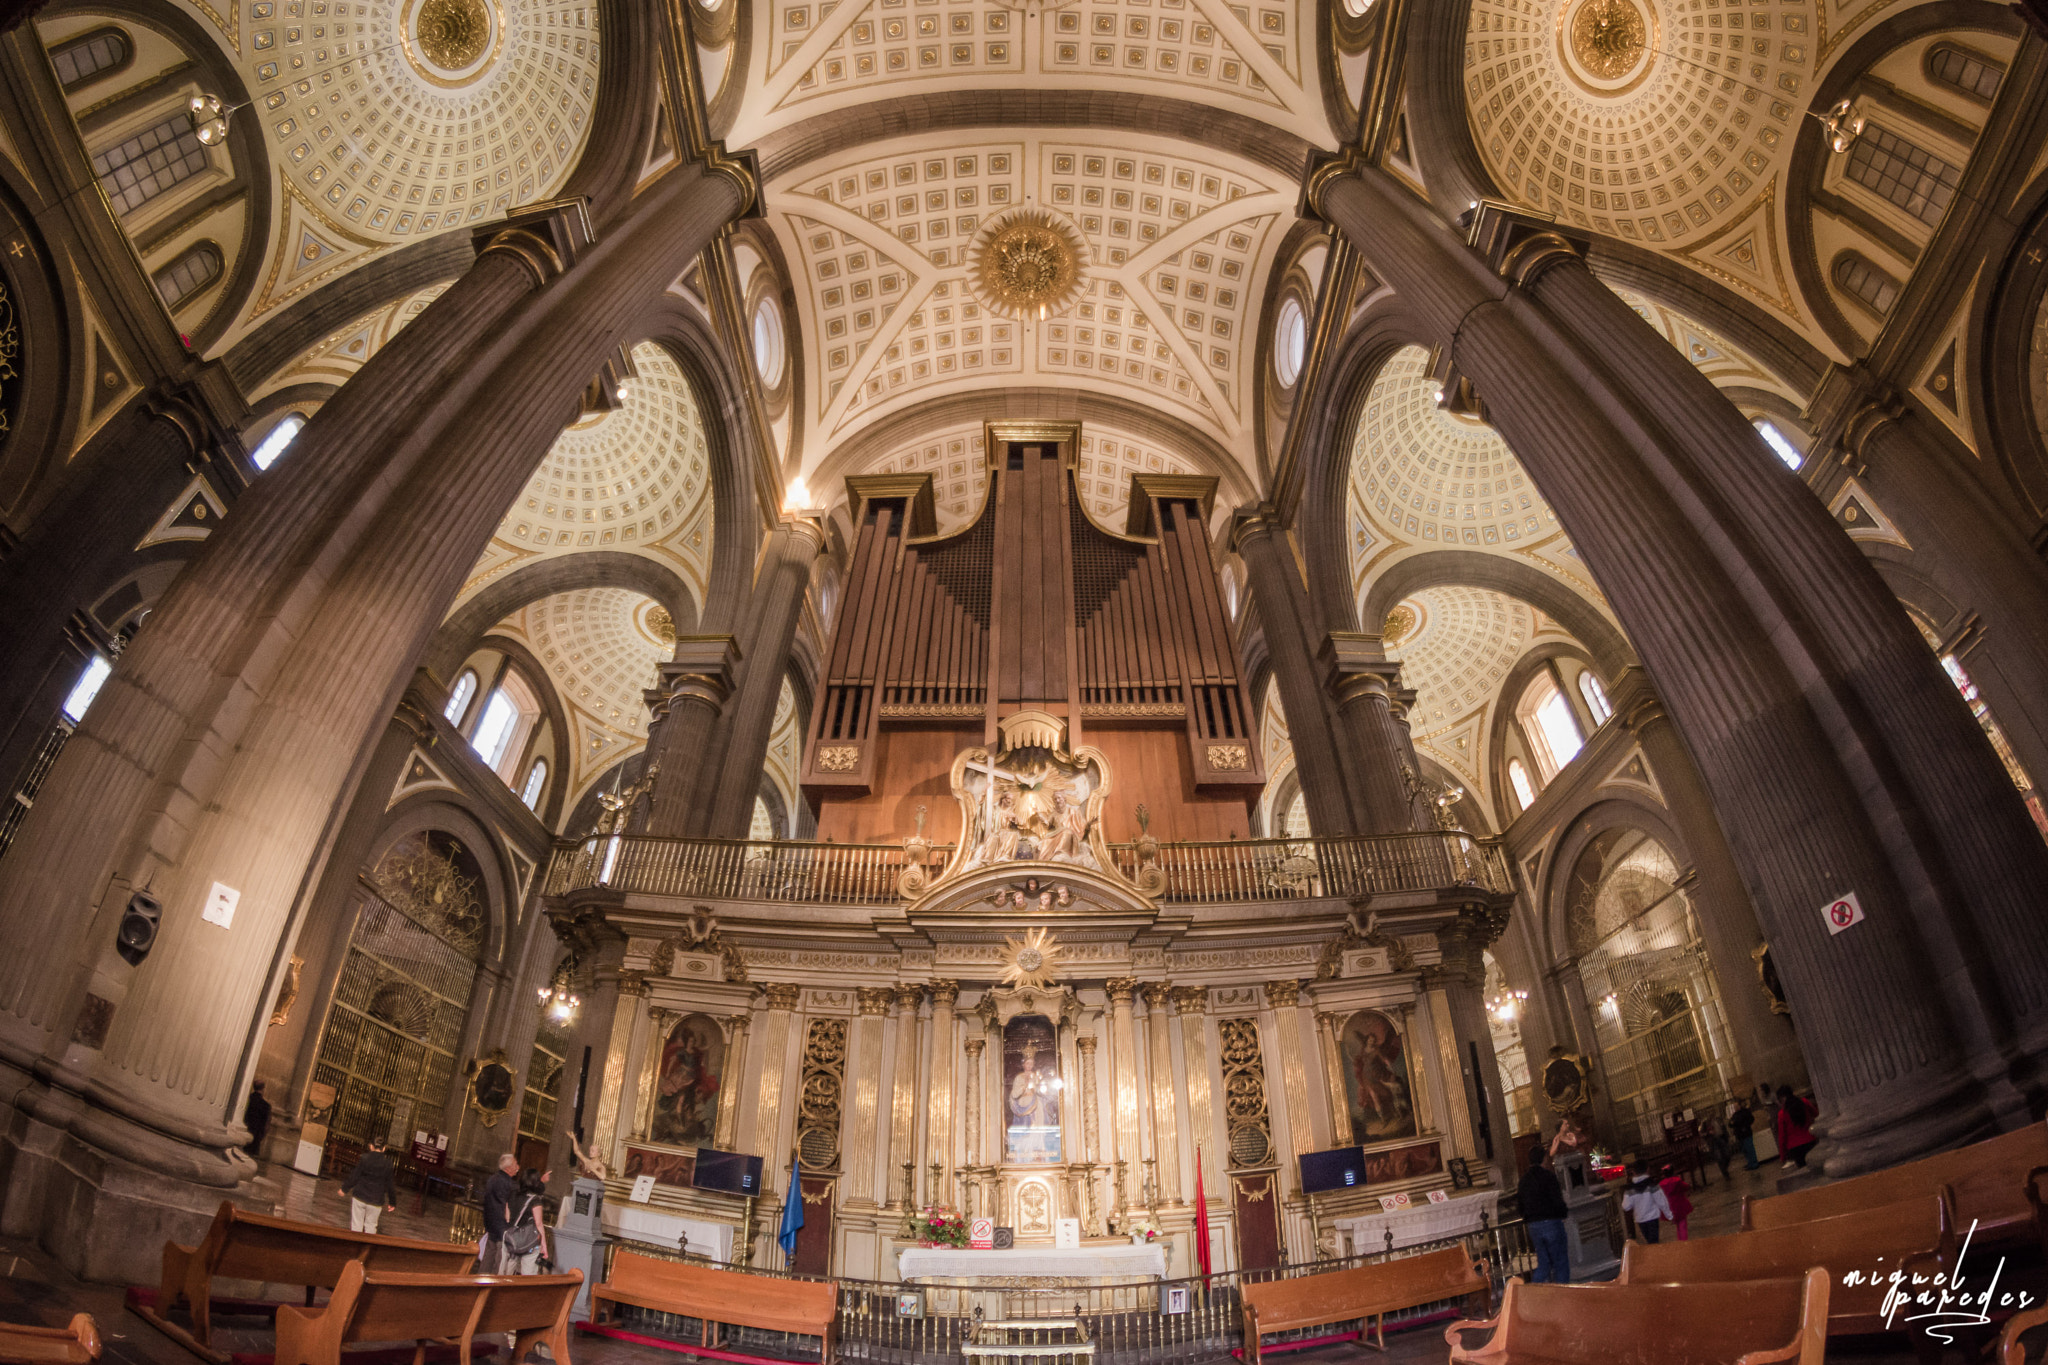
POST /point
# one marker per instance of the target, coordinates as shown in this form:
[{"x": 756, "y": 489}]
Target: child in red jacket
[{"x": 1673, "y": 1186}]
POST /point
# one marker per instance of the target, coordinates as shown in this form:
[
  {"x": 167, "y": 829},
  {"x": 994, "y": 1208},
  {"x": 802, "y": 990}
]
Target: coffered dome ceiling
[
  {"x": 601, "y": 647},
  {"x": 632, "y": 480}
]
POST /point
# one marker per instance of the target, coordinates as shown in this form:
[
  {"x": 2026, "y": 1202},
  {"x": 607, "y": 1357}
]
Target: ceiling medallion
[
  {"x": 452, "y": 42},
  {"x": 657, "y": 625},
  {"x": 1026, "y": 264},
  {"x": 1608, "y": 38}
]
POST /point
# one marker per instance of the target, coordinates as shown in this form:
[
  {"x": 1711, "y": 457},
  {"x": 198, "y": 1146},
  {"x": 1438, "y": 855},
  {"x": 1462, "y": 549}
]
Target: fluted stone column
[
  {"x": 684, "y": 710},
  {"x": 1282, "y": 601},
  {"x": 938, "y": 1108},
  {"x": 1327, "y": 1025},
  {"x": 977, "y": 1151},
  {"x": 1764, "y": 1042},
  {"x": 1123, "y": 1072},
  {"x": 1461, "y": 977},
  {"x": 773, "y": 612},
  {"x": 864, "y": 1077},
  {"x": 1091, "y": 1129},
  {"x": 1192, "y": 1004},
  {"x": 1837, "y": 755},
  {"x": 1366, "y": 685},
  {"x": 903, "y": 1094},
  {"x": 1284, "y": 998},
  {"x": 1159, "y": 1067},
  {"x": 765, "y": 1113},
  {"x": 735, "y": 1067}
]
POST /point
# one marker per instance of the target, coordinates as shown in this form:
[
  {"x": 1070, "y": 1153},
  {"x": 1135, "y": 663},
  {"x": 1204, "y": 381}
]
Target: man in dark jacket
[
  {"x": 370, "y": 1188},
  {"x": 256, "y": 1118},
  {"x": 501, "y": 1196},
  {"x": 1544, "y": 1211},
  {"x": 1742, "y": 1127}
]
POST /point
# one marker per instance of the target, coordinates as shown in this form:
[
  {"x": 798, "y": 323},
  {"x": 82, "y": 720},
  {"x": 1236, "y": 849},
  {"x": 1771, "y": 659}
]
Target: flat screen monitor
[
  {"x": 727, "y": 1172},
  {"x": 1337, "y": 1169}
]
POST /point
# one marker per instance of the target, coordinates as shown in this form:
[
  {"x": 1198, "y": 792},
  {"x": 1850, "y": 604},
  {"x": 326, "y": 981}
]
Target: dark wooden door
[
  {"x": 814, "y": 1238},
  {"x": 1258, "y": 1219}
]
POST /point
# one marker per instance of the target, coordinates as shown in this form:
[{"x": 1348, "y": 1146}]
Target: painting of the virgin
[
  {"x": 1376, "y": 1079},
  {"x": 686, "y": 1089}
]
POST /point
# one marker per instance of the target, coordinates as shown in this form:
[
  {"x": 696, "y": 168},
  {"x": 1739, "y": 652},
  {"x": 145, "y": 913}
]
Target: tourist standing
[
  {"x": 526, "y": 1238},
  {"x": 256, "y": 1118},
  {"x": 1673, "y": 1186},
  {"x": 1717, "y": 1142},
  {"x": 501, "y": 1193},
  {"x": 370, "y": 1189},
  {"x": 1644, "y": 1203},
  {"x": 1795, "y": 1136},
  {"x": 1742, "y": 1124},
  {"x": 1544, "y": 1212}
]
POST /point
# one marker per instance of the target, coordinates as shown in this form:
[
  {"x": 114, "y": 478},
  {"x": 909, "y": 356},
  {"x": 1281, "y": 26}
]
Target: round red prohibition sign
[{"x": 1841, "y": 912}]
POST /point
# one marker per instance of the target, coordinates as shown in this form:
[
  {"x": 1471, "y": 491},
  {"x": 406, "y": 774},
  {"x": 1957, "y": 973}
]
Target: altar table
[
  {"x": 1107, "y": 1261},
  {"x": 1421, "y": 1222}
]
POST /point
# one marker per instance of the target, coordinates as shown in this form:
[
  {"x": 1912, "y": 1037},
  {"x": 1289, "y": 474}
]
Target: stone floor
[{"x": 33, "y": 1290}]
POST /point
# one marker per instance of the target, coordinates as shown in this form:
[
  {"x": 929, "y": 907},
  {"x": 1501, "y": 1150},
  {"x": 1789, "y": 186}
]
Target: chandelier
[{"x": 557, "y": 1001}]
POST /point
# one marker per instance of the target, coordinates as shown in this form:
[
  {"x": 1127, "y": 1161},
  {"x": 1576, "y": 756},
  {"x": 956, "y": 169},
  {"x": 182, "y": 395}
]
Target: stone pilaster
[
  {"x": 1327, "y": 1025},
  {"x": 977, "y": 1152},
  {"x": 1284, "y": 999},
  {"x": 658, "y": 1022},
  {"x": 1192, "y": 1004},
  {"x": 903, "y": 1093},
  {"x": 938, "y": 1110},
  {"x": 1159, "y": 1067},
  {"x": 1091, "y": 1126},
  {"x": 1461, "y": 982},
  {"x": 864, "y": 1084},
  {"x": 765, "y": 1114},
  {"x": 735, "y": 1066},
  {"x": 626, "y": 993}
]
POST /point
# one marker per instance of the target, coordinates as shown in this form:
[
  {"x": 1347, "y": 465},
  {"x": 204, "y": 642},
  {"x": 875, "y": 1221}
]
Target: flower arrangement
[
  {"x": 1141, "y": 1225},
  {"x": 939, "y": 1226}
]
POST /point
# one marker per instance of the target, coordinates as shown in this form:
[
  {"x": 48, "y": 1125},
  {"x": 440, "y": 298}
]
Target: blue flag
[{"x": 792, "y": 1213}]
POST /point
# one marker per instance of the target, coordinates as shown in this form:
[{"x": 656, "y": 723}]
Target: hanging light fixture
[
  {"x": 557, "y": 1000},
  {"x": 1843, "y": 124},
  {"x": 210, "y": 118}
]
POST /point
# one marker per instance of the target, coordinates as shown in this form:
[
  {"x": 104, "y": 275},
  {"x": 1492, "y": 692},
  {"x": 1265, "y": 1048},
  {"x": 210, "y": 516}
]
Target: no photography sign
[{"x": 1843, "y": 911}]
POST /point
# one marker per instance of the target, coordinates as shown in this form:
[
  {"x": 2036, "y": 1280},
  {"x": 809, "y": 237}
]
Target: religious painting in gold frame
[{"x": 1378, "y": 1080}]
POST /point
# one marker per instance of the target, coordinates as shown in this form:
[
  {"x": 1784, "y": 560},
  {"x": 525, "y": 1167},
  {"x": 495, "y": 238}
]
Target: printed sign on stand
[
  {"x": 1843, "y": 911},
  {"x": 981, "y": 1234},
  {"x": 1066, "y": 1234},
  {"x": 643, "y": 1189}
]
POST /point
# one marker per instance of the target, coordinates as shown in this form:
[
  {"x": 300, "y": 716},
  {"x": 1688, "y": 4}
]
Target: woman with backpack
[
  {"x": 526, "y": 1240},
  {"x": 1795, "y": 1137}
]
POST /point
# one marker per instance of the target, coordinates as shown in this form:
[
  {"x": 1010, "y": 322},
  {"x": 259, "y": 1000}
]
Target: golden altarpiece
[{"x": 1032, "y": 970}]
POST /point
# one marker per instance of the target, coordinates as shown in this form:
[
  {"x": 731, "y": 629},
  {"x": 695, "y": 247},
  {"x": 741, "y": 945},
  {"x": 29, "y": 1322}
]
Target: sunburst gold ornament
[
  {"x": 1608, "y": 37},
  {"x": 454, "y": 33},
  {"x": 1032, "y": 962},
  {"x": 1026, "y": 264}
]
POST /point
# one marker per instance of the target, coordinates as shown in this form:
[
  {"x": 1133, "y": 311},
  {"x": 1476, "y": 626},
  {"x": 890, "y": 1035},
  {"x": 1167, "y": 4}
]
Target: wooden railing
[{"x": 1231, "y": 872}]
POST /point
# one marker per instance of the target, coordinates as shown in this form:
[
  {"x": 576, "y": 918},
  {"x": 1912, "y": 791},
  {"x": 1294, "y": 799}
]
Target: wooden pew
[
  {"x": 2010, "y": 1351},
  {"x": 1367, "y": 1292},
  {"x": 715, "y": 1297},
  {"x": 1860, "y": 1250},
  {"x": 1995, "y": 1184},
  {"x": 370, "y": 1305},
  {"x": 252, "y": 1246},
  {"x": 1739, "y": 1323},
  {"x": 75, "y": 1344}
]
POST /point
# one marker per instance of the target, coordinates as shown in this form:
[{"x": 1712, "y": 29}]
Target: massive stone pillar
[
  {"x": 1764, "y": 1041},
  {"x": 1372, "y": 708},
  {"x": 1461, "y": 977},
  {"x": 1838, "y": 757},
  {"x": 727, "y": 810},
  {"x": 1159, "y": 1068},
  {"x": 683, "y": 713},
  {"x": 240, "y": 715}
]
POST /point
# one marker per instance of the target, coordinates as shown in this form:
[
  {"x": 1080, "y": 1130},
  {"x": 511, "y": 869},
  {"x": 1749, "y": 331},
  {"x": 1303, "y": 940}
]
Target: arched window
[
  {"x": 154, "y": 160},
  {"x": 1968, "y": 73},
  {"x": 536, "y": 783},
  {"x": 769, "y": 353},
  {"x": 1865, "y": 282},
  {"x": 1595, "y": 695},
  {"x": 80, "y": 698},
  {"x": 273, "y": 443},
  {"x": 1902, "y": 174},
  {"x": 1994, "y": 732},
  {"x": 507, "y": 720},
  {"x": 1548, "y": 725},
  {"x": 1518, "y": 778},
  {"x": 1780, "y": 444},
  {"x": 91, "y": 57},
  {"x": 1290, "y": 342},
  {"x": 183, "y": 279},
  {"x": 459, "y": 695}
]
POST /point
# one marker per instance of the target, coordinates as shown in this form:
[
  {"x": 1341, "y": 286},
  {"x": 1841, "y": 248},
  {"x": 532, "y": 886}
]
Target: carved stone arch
[
  {"x": 737, "y": 515},
  {"x": 557, "y": 715},
  {"x": 1808, "y": 163},
  {"x": 1283, "y": 797},
  {"x": 1923, "y": 598},
  {"x": 308, "y": 320},
  {"x": 2015, "y": 430},
  {"x": 770, "y": 796},
  {"x": 246, "y": 146},
  {"x": 629, "y": 90},
  {"x": 50, "y": 330},
  {"x": 1610, "y": 810},
  {"x": 436, "y": 812},
  {"x": 469, "y": 623},
  {"x": 1772, "y": 342},
  {"x": 1320, "y": 526},
  {"x": 1439, "y": 129},
  {"x": 1610, "y": 649}
]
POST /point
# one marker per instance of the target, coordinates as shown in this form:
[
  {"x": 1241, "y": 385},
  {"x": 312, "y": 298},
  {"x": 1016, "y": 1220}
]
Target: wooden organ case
[{"x": 1032, "y": 606}]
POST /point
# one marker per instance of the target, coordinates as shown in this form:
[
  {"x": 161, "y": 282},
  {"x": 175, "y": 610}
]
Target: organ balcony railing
[{"x": 1220, "y": 873}]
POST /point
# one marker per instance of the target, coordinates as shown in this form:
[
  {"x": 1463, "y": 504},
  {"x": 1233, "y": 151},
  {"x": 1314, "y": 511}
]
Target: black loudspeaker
[{"x": 138, "y": 928}]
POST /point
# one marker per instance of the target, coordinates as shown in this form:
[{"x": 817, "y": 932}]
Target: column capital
[
  {"x": 1636, "y": 704},
  {"x": 1121, "y": 989},
  {"x": 781, "y": 996},
  {"x": 1358, "y": 669},
  {"x": 546, "y": 237},
  {"x": 1519, "y": 245},
  {"x": 633, "y": 983},
  {"x": 736, "y": 1024},
  {"x": 808, "y": 525},
  {"x": 1252, "y": 522},
  {"x": 1850, "y": 405},
  {"x": 1085, "y": 1044},
  {"x": 1191, "y": 999},
  {"x": 873, "y": 999},
  {"x": 975, "y": 1046},
  {"x": 1329, "y": 1020},
  {"x": 701, "y": 673},
  {"x": 1156, "y": 994},
  {"x": 1283, "y": 994},
  {"x": 1324, "y": 170},
  {"x": 945, "y": 992},
  {"x": 909, "y": 997}
]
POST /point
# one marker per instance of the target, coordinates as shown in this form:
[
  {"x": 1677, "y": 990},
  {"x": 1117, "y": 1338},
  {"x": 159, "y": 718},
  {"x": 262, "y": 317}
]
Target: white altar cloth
[
  {"x": 1109, "y": 1261},
  {"x": 1422, "y": 1222},
  {"x": 645, "y": 1223}
]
